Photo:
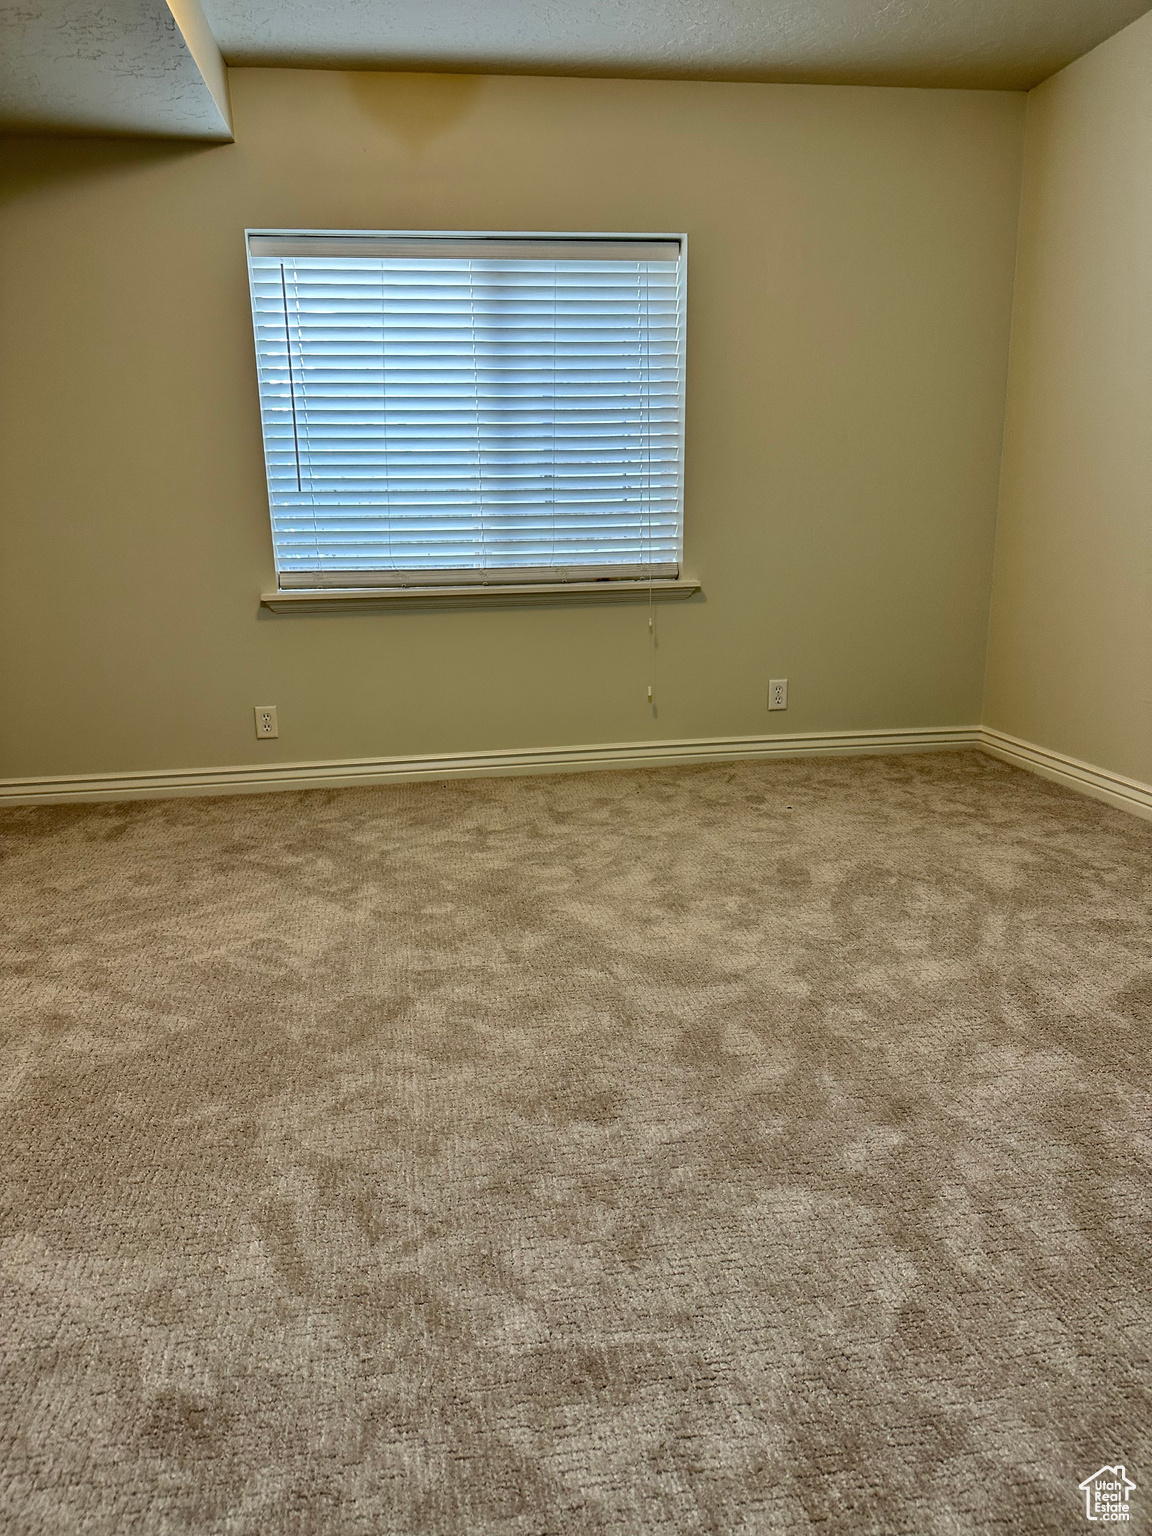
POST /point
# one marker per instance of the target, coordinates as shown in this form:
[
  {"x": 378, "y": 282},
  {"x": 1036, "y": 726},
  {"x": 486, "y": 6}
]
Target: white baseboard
[
  {"x": 251, "y": 778},
  {"x": 1112, "y": 788},
  {"x": 254, "y": 777}
]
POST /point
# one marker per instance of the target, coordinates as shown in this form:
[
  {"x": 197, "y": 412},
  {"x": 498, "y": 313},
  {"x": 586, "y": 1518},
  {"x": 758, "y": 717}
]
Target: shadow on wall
[
  {"x": 31, "y": 163},
  {"x": 414, "y": 108}
]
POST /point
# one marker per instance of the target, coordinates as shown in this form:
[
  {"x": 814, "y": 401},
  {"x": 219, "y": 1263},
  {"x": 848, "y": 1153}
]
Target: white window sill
[{"x": 536, "y": 595}]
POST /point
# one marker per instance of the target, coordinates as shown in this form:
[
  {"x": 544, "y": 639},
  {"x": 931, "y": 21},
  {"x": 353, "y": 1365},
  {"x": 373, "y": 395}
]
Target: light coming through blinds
[{"x": 450, "y": 409}]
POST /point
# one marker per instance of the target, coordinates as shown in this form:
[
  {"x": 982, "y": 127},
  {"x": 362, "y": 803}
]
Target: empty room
[{"x": 575, "y": 767}]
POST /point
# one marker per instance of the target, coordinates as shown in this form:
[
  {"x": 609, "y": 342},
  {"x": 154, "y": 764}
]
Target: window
[{"x": 444, "y": 409}]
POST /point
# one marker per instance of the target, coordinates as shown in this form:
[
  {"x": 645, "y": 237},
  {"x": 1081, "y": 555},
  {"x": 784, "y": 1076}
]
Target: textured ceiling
[
  {"x": 117, "y": 66},
  {"x": 153, "y": 66},
  {"x": 1003, "y": 44}
]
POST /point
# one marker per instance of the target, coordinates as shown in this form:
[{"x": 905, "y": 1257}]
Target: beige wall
[
  {"x": 850, "y": 290},
  {"x": 1070, "y": 659}
]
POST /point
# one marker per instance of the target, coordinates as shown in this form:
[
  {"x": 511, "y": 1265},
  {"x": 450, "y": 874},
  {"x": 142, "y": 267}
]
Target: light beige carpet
[{"x": 755, "y": 1148}]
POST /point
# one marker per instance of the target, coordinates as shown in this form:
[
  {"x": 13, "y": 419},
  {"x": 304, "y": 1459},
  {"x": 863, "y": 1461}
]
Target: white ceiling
[
  {"x": 1002, "y": 44},
  {"x": 155, "y": 66},
  {"x": 111, "y": 66}
]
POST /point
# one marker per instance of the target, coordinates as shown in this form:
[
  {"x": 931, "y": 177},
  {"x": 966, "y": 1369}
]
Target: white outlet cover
[
  {"x": 266, "y": 726},
  {"x": 778, "y": 693}
]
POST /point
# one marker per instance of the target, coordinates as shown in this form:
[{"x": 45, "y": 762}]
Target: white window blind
[{"x": 450, "y": 409}]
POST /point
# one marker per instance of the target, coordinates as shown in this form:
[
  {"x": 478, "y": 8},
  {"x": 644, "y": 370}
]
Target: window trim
[
  {"x": 541, "y": 594},
  {"x": 467, "y": 587}
]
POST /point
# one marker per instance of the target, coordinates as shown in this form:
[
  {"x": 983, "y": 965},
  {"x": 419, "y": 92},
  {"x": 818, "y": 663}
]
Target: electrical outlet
[
  {"x": 266, "y": 726},
  {"x": 778, "y": 693}
]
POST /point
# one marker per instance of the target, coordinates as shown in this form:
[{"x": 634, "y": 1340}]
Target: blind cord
[
  {"x": 483, "y": 505},
  {"x": 384, "y": 411},
  {"x": 647, "y": 357},
  {"x": 304, "y": 412},
  {"x": 291, "y": 376}
]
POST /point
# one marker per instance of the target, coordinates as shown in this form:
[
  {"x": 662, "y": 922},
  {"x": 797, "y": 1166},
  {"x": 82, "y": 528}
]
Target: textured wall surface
[
  {"x": 851, "y": 261},
  {"x": 1070, "y": 659}
]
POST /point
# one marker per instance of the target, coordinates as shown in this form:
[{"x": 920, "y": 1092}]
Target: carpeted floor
[{"x": 738, "y": 1149}]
